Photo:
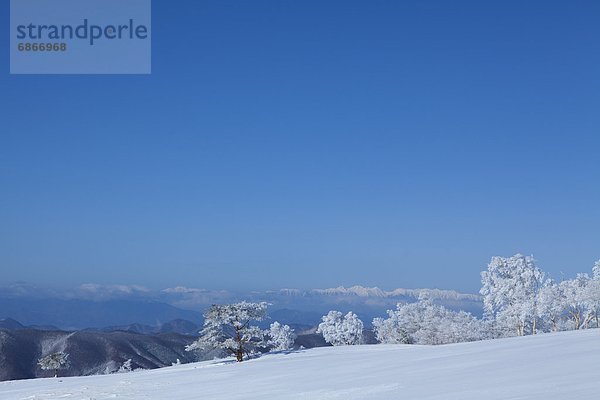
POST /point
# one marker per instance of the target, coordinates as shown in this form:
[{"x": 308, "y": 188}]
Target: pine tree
[{"x": 227, "y": 327}]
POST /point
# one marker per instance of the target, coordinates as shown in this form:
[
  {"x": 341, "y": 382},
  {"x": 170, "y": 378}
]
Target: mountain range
[
  {"x": 90, "y": 352},
  {"x": 101, "y": 327},
  {"x": 98, "y": 306}
]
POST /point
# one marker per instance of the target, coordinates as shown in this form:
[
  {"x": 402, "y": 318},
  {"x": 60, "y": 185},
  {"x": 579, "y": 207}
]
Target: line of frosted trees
[{"x": 518, "y": 297}]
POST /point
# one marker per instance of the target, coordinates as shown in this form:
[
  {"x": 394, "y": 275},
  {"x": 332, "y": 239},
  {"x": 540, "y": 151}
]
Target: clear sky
[{"x": 312, "y": 144}]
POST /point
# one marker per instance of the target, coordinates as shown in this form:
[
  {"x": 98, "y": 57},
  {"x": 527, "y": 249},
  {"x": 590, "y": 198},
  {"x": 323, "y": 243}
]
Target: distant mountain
[
  {"x": 306, "y": 306},
  {"x": 319, "y": 300},
  {"x": 180, "y": 326},
  {"x": 297, "y": 319},
  {"x": 74, "y": 314},
  {"x": 133, "y": 328},
  {"x": 90, "y": 353},
  {"x": 98, "y": 352},
  {"x": 362, "y": 291},
  {"x": 10, "y": 324},
  {"x": 137, "y": 309}
]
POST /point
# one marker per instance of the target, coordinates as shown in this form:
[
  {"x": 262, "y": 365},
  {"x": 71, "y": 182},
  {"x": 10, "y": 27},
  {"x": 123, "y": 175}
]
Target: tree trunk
[
  {"x": 588, "y": 319},
  {"x": 520, "y": 328},
  {"x": 239, "y": 355}
]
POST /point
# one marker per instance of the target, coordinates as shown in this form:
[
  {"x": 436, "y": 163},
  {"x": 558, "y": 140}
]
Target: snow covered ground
[{"x": 551, "y": 366}]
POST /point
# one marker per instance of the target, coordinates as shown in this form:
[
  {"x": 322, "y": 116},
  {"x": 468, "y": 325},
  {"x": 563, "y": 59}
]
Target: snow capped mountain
[
  {"x": 131, "y": 304},
  {"x": 372, "y": 292},
  {"x": 439, "y": 294},
  {"x": 289, "y": 292},
  {"x": 96, "y": 292},
  {"x": 542, "y": 367},
  {"x": 357, "y": 290},
  {"x": 360, "y": 291}
]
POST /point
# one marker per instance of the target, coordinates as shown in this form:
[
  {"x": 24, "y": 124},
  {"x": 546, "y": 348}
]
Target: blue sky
[{"x": 312, "y": 144}]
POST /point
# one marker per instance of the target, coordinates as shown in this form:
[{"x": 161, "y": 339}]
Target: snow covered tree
[
  {"x": 227, "y": 327},
  {"x": 593, "y": 294},
  {"x": 596, "y": 271},
  {"x": 126, "y": 367},
  {"x": 424, "y": 322},
  {"x": 54, "y": 362},
  {"x": 461, "y": 326},
  {"x": 552, "y": 305},
  {"x": 281, "y": 337},
  {"x": 592, "y": 299},
  {"x": 389, "y": 331},
  {"x": 576, "y": 296},
  {"x": 510, "y": 289},
  {"x": 341, "y": 330}
]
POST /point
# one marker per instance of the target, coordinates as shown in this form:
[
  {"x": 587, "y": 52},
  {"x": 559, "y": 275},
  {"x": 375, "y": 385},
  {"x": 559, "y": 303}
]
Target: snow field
[{"x": 546, "y": 367}]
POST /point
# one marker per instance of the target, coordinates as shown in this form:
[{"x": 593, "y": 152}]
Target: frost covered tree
[
  {"x": 126, "y": 367},
  {"x": 54, "y": 362},
  {"x": 582, "y": 296},
  {"x": 510, "y": 289},
  {"x": 389, "y": 330},
  {"x": 517, "y": 293},
  {"x": 593, "y": 301},
  {"x": 577, "y": 300},
  {"x": 281, "y": 337},
  {"x": 424, "y": 322},
  {"x": 593, "y": 294},
  {"x": 227, "y": 327},
  {"x": 341, "y": 330},
  {"x": 596, "y": 271},
  {"x": 551, "y": 302},
  {"x": 461, "y": 326}
]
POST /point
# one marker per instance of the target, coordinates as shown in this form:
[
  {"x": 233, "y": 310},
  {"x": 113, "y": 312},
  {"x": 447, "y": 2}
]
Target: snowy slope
[{"x": 552, "y": 366}]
